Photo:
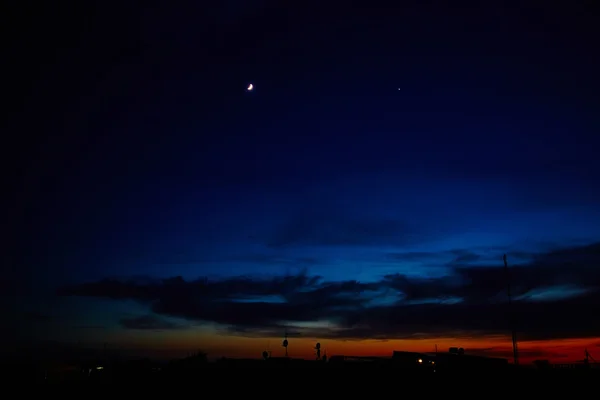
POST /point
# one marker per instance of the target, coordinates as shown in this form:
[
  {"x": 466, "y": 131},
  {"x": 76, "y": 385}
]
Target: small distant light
[
  {"x": 250, "y": 87},
  {"x": 419, "y": 361},
  {"x": 99, "y": 367}
]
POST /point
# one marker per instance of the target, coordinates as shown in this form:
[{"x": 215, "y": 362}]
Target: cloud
[
  {"x": 410, "y": 256},
  {"x": 268, "y": 259},
  {"x": 554, "y": 297},
  {"x": 148, "y": 322},
  {"x": 464, "y": 256},
  {"x": 461, "y": 257},
  {"x": 450, "y": 257}
]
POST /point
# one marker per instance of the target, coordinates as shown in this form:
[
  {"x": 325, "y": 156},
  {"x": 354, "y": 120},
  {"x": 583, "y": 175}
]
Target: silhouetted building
[
  {"x": 340, "y": 360},
  {"x": 412, "y": 360},
  {"x": 542, "y": 364},
  {"x": 458, "y": 360}
]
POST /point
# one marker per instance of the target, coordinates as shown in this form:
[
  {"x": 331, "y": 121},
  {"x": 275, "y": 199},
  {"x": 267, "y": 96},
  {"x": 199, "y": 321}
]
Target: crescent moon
[{"x": 250, "y": 87}]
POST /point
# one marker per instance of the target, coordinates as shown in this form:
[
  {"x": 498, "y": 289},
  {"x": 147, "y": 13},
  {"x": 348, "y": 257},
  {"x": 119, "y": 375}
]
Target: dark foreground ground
[{"x": 146, "y": 372}]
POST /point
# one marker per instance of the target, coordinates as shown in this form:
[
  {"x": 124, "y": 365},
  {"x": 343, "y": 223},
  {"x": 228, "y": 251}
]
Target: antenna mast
[
  {"x": 512, "y": 324},
  {"x": 588, "y": 357},
  {"x": 285, "y": 343}
]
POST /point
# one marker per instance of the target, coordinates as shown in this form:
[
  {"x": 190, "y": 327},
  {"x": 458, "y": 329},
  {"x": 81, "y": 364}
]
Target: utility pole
[{"x": 511, "y": 316}]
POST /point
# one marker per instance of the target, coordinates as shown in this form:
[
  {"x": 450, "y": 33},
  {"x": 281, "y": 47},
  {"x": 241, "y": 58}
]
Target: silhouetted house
[
  {"x": 457, "y": 360},
  {"x": 453, "y": 360},
  {"x": 239, "y": 362},
  {"x": 542, "y": 364},
  {"x": 258, "y": 363},
  {"x": 339, "y": 360},
  {"x": 412, "y": 360}
]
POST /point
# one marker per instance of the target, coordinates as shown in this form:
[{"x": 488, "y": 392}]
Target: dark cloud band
[{"x": 556, "y": 296}]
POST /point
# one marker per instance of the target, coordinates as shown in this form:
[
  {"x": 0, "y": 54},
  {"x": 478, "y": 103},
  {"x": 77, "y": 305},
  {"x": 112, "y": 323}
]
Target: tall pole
[{"x": 511, "y": 317}]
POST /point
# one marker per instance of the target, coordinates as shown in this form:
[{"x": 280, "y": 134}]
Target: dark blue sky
[{"x": 138, "y": 152}]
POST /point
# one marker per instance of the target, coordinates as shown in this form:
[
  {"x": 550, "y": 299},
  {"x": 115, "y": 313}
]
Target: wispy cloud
[{"x": 471, "y": 300}]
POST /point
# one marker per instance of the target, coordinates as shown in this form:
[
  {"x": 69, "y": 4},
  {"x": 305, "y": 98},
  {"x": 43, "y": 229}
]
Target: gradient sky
[{"x": 156, "y": 205}]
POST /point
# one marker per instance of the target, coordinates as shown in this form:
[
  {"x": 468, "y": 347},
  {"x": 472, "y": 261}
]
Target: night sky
[{"x": 362, "y": 195}]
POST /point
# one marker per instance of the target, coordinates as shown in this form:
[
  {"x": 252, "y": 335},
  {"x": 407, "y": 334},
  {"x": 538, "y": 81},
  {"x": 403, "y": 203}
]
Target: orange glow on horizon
[{"x": 217, "y": 345}]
